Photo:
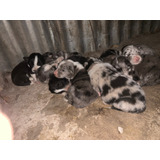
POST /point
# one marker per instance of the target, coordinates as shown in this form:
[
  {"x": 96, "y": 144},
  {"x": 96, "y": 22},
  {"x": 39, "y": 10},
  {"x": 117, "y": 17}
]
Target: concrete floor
[{"x": 35, "y": 113}]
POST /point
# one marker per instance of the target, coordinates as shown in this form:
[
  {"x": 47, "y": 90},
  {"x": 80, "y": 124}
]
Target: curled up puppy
[
  {"x": 145, "y": 62},
  {"x": 24, "y": 73},
  {"x": 80, "y": 92},
  {"x": 44, "y": 72},
  {"x": 116, "y": 89}
]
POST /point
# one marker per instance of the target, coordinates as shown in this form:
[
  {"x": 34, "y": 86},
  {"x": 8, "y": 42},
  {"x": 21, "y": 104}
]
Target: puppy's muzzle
[{"x": 56, "y": 73}]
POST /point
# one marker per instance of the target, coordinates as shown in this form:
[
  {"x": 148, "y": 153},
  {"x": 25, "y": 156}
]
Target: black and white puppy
[
  {"x": 58, "y": 85},
  {"x": 34, "y": 61},
  {"x": 116, "y": 89},
  {"x": 80, "y": 93},
  {"x": 24, "y": 73}
]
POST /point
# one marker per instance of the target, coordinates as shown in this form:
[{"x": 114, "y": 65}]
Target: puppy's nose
[{"x": 56, "y": 73}]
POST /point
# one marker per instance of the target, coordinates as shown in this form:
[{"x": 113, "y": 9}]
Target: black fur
[
  {"x": 119, "y": 82},
  {"x": 57, "y": 85},
  {"x": 20, "y": 74}
]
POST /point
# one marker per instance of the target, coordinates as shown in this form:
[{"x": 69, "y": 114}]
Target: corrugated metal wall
[{"x": 20, "y": 38}]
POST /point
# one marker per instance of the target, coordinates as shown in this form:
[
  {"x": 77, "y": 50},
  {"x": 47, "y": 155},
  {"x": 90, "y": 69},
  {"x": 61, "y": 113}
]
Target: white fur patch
[
  {"x": 59, "y": 90},
  {"x": 79, "y": 66},
  {"x": 35, "y": 67},
  {"x": 47, "y": 67},
  {"x": 34, "y": 77}
]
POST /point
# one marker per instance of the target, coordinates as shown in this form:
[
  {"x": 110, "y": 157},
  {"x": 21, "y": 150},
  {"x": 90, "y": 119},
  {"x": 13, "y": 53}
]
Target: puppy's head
[
  {"x": 66, "y": 69},
  {"x": 34, "y": 61},
  {"x": 132, "y": 53}
]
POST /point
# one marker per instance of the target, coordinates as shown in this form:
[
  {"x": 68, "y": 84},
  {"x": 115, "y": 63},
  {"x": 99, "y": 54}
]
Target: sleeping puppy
[
  {"x": 58, "y": 85},
  {"x": 116, "y": 89},
  {"x": 146, "y": 63},
  {"x": 21, "y": 74},
  {"x": 121, "y": 63},
  {"x": 43, "y": 73},
  {"x": 80, "y": 93},
  {"x": 82, "y": 60},
  {"x": 24, "y": 73},
  {"x": 68, "y": 69},
  {"x": 34, "y": 61},
  {"x": 109, "y": 55},
  {"x": 135, "y": 53},
  {"x": 148, "y": 70},
  {"x": 48, "y": 57},
  {"x": 65, "y": 55}
]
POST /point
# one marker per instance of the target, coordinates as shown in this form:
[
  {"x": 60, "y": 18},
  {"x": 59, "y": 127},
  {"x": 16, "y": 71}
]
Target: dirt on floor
[{"x": 35, "y": 113}]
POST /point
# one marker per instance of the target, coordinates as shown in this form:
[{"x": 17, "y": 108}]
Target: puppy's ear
[
  {"x": 25, "y": 59},
  {"x": 136, "y": 59}
]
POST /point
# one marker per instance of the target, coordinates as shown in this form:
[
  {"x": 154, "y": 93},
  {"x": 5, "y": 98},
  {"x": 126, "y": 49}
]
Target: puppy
[
  {"x": 24, "y": 73},
  {"x": 148, "y": 70},
  {"x": 109, "y": 55},
  {"x": 68, "y": 69},
  {"x": 135, "y": 53},
  {"x": 121, "y": 63},
  {"x": 80, "y": 93},
  {"x": 82, "y": 60},
  {"x": 65, "y": 55},
  {"x": 34, "y": 61},
  {"x": 48, "y": 57},
  {"x": 58, "y": 85},
  {"x": 116, "y": 89},
  {"x": 43, "y": 73},
  {"x": 21, "y": 74},
  {"x": 146, "y": 63}
]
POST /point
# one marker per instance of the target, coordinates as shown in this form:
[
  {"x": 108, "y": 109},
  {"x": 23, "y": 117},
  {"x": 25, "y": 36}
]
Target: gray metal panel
[{"x": 21, "y": 38}]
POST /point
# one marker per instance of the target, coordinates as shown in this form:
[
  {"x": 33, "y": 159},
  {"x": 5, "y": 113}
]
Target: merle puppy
[
  {"x": 148, "y": 70},
  {"x": 24, "y": 73},
  {"x": 146, "y": 63},
  {"x": 121, "y": 63},
  {"x": 44, "y": 72},
  {"x": 135, "y": 53},
  {"x": 116, "y": 89},
  {"x": 80, "y": 93}
]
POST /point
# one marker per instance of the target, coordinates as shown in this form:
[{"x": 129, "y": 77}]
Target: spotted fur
[{"x": 116, "y": 89}]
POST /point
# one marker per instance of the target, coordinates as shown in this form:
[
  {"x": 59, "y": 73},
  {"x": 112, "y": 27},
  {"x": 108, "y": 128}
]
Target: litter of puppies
[{"x": 116, "y": 76}]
